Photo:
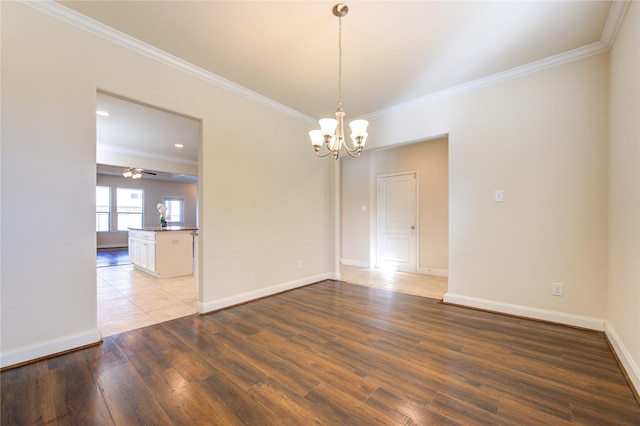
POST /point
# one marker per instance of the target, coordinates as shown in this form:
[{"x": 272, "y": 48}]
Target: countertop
[{"x": 160, "y": 229}]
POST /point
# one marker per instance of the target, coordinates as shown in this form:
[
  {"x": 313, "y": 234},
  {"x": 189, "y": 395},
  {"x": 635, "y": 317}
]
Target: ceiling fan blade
[{"x": 149, "y": 173}]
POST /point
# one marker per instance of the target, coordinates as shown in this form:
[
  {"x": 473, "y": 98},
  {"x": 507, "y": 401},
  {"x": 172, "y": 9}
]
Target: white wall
[
  {"x": 264, "y": 197},
  {"x": 541, "y": 138},
  {"x": 154, "y": 191},
  {"x": 356, "y": 223},
  {"x": 623, "y": 296}
]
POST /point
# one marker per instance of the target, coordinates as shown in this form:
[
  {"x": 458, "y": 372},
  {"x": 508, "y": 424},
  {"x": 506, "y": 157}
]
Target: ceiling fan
[{"x": 135, "y": 173}]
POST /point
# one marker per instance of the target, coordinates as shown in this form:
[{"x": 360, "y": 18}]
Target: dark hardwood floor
[
  {"x": 331, "y": 353},
  {"x": 112, "y": 257}
]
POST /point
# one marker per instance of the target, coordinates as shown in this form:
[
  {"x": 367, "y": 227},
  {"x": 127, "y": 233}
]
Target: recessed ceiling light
[
  {"x": 178, "y": 145},
  {"x": 103, "y": 113}
]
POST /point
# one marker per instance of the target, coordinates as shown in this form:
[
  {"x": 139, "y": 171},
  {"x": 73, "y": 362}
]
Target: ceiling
[
  {"x": 394, "y": 52},
  {"x": 138, "y": 130},
  {"x": 142, "y": 130}
]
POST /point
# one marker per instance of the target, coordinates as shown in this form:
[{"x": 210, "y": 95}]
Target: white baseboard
[
  {"x": 358, "y": 263},
  {"x": 110, "y": 246},
  {"x": 526, "y": 311},
  {"x": 629, "y": 365},
  {"x": 214, "y": 305},
  {"x": 433, "y": 271},
  {"x": 49, "y": 347}
]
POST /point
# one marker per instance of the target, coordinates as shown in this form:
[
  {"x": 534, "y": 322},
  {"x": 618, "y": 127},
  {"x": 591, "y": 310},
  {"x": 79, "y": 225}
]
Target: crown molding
[
  {"x": 550, "y": 62},
  {"x": 94, "y": 27},
  {"x": 614, "y": 21}
]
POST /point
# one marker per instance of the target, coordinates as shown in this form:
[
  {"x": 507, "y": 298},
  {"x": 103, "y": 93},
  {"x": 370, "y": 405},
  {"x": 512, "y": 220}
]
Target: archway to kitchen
[{"x": 144, "y": 276}]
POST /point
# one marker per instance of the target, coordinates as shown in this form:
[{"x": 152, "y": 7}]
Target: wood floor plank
[
  {"x": 289, "y": 408},
  {"x": 461, "y": 412},
  {"x": 28, "y": 396},
  {"x": 236, "y": 406},
  {"x": 191, "y": 364},
  {"x": 330, "y": 353},
  {"x": 217, "y": 354},
  {"x": 183, "y": 403},
  {"x": 401, "y": 407},
  {"x": 335, "y": 407},
  {"x": 270, "y": 364},
  {"x": 514, "y": 410},
  {"x": 77, "y": 397},
  {"x": 140, "y": 353},
  {"x": 128, "y": 399},
  {"x": 425, "y": 372}
]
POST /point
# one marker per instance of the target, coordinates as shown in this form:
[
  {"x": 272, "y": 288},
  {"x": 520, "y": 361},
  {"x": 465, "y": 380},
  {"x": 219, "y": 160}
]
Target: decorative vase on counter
[{"x": 162, "y": 210}]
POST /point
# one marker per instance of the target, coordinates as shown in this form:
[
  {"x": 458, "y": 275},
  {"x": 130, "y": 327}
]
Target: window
[
  {"x": 175, "y": 210},
  {"x": 103, "y": 208},
  {"x": 129, "y": 208}
]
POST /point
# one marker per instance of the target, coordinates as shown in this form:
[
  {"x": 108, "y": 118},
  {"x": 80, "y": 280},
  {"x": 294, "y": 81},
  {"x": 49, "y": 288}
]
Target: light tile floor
[
  {"x": 418, "y": 285},
  {"x": 130, "y": 299}
]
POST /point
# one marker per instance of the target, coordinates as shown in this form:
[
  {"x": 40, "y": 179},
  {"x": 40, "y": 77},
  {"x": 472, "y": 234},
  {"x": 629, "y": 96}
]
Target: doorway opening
[
  {"x": 162, "y": 146},
  {"x": 366, "y": 257}
]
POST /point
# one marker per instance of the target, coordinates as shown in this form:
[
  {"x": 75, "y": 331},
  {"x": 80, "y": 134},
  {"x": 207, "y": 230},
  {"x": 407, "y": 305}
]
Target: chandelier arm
[
  {"x": 350, "y": 152},
  {"x": 354, "y": 149},
  {"x": 325, "y": 154}
]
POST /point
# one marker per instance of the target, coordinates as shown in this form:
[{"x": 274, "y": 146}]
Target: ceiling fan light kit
[
  {"x": 331, "y": 133},
  {"x": 135, "y": 173}
]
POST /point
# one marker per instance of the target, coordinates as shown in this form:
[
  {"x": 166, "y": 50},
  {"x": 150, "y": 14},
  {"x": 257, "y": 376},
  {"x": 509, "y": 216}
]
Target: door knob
[{"x": 413, "y": 227}]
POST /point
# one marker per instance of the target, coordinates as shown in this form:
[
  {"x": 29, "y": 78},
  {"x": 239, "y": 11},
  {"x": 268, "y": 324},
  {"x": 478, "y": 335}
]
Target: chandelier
[{"x": 331, "y": 133}]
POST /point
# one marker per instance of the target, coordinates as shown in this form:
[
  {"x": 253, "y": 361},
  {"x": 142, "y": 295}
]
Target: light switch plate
[{"x": 498, "y": 196}]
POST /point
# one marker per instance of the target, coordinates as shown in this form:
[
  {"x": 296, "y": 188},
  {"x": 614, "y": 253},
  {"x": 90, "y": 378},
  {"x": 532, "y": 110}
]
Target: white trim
[
  {"x": 543, "y": 64},
  {"x": 614, "y": 21},
  {"x": 94, "y": 27},
  {"x": 433, "y": 271},
  {"x": 50, "y": 7},
  {"x": 49, "y": 347},
  {"x": 526, "y": 311},
  {"x": 357, "y": 263},
  {"x": 214, "y": 305},
  {"x": 629, "y": 365},
  {"x": 110, "y": 246}
]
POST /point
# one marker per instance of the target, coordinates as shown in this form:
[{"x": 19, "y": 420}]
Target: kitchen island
[{"x": 162, "y": 252}]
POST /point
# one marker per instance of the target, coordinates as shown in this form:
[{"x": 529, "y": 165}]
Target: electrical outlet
[
  {"x": 433, "y": 257},
  {"x": 299, "y": 265},
  {"x": 557, "y": 289}
]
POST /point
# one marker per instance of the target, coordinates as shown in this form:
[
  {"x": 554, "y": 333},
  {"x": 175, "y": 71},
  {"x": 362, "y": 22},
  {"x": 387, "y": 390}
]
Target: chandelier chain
[{"x": 340, "y": 61}]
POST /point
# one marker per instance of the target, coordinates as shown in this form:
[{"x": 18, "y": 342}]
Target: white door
[{"x": 397, "y": 223}]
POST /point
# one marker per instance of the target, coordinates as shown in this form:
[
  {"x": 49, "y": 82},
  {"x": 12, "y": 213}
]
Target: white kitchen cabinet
[{"x": 162, "y": 252}]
